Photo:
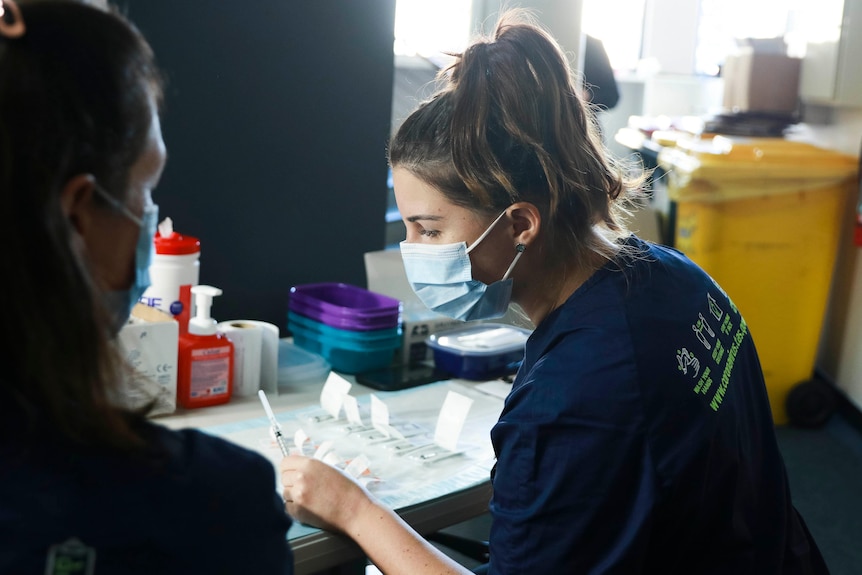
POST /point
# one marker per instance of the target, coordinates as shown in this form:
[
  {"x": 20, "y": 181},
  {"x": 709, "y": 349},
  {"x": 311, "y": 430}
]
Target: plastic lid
[
  {"x": 726, "y": 157},
  {"x": 169, "y": 242},
  {"x": 344, "y": 300},
  {"x": 481, "y": 339},
  {"x": 730, "y": 168},
  {"x": 298, "y": 365},
  {"x": 176, "y": 244}
]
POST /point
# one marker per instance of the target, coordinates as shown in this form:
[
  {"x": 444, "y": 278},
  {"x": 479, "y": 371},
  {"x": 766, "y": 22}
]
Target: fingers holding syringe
[{"x": 318, "y": 494}]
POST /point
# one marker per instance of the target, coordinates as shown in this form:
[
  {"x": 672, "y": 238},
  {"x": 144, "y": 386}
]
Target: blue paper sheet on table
[{"x": 397, "y": 476}]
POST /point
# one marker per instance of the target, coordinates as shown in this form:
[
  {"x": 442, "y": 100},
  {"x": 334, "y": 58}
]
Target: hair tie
[{"x": 11, "y": 21}]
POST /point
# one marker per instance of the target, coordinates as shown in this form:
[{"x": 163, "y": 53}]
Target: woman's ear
[
  {"x": 526, "y": 222},
  {"x": 75, "y": 200}
]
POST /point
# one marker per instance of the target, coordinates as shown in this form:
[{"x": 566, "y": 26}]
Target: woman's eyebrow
[{"x": 424, "y": 217}]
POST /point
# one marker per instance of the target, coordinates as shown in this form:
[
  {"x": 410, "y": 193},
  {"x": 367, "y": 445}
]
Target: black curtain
[{"x": 276, "y": 118}]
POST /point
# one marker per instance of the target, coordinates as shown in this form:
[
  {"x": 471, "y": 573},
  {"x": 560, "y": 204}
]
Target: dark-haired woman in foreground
[{"x": 86, "y": 486}]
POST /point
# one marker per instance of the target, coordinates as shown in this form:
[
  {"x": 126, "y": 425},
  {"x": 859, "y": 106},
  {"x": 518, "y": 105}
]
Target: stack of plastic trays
[{"x": 354, "y": 329}]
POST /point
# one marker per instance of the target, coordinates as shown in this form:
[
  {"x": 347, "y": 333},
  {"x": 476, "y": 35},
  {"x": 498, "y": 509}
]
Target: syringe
[{"x": 276, "y": 428}]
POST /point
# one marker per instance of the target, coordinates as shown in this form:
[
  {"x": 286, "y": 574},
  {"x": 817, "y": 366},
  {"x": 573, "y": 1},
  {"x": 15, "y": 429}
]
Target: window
[
  {"x": 719, "y": 23},
  {"x": 425, "y": 30},
  {"x": 722, "y": 22},
  {"x": 430, "y": 27},
  {"x": 619, "y": 25}
]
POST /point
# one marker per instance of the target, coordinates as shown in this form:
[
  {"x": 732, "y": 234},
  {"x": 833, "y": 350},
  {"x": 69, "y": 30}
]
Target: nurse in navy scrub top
[{"x": 637, "y": 437}]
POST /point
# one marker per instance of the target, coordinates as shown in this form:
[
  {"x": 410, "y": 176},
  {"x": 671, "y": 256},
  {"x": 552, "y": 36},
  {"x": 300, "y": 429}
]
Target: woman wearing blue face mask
[
  {"x": 637, "y": 437},
  {"x": 85, "y": 483}
]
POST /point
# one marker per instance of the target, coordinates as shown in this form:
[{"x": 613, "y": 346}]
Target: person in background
[
  {"x": 86, "y": 486},
  {"x": 600, "y": 85},
  {"x": 637, "y": 437}
]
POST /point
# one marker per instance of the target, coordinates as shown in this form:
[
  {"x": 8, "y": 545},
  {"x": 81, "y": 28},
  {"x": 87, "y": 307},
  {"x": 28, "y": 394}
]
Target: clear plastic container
[
  {"x": 479, "y": 351},
  {"x": 298, "y": 367}
]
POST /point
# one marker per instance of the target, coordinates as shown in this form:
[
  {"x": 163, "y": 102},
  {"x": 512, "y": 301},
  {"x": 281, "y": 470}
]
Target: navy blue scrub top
[
  {"x": 206, "y": 506},
  {"x": 638, "y": 436}
]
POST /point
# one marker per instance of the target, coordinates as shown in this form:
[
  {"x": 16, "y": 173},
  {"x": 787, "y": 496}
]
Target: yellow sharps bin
[{"x": 763, "y": 217}]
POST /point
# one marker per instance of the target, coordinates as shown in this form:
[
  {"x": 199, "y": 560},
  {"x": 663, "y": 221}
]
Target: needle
[{"x": 276, "y": 428}]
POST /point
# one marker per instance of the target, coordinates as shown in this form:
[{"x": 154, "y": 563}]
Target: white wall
[
  {"x": 562, "y": 18},
  {"x": 841, "y": 345},
  {"x": 670, "y": 34},
  {"x": 838, "y": 129}
]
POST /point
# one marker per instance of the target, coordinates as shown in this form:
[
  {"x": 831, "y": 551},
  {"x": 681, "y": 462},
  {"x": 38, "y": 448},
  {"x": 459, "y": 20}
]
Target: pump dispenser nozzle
[{"x": 202, "y": 297}]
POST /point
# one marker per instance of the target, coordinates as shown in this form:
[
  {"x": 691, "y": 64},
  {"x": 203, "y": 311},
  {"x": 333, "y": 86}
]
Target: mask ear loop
[
  {"x": 117, "y": 205},
  {"x": 11, "y": 27},
  {"x": 486, "y": 232},
  {"x": 520, "y": 249}
]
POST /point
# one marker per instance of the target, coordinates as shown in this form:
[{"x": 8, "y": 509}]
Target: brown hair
[
  {"x": 509, "y": 126},
  {"x": 76, "y": 92}
]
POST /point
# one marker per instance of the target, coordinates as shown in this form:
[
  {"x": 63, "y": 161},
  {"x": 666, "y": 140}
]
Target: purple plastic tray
[
  {"x": 343, "y": 300},
  {"x": 390, "y": 320}
]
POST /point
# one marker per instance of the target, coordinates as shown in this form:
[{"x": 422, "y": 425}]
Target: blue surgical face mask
[
  {"x": 442, "y": 277},
  {"x": 121, "y": 302}
]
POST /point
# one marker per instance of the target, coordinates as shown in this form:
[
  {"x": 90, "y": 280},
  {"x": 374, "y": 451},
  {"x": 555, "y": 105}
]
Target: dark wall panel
[{"x": 276, "y": 119}]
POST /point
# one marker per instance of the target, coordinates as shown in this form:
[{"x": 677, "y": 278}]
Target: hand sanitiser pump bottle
[{"x": 205, "y": 374}]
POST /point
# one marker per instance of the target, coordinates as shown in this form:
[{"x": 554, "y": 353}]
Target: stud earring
[
  {"x": 520, "y": 248},
  {"x": 11, "y": 23}
]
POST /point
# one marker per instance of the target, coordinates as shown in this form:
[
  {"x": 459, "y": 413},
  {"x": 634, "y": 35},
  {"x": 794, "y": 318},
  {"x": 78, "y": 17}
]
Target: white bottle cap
[{"x": 202, "y": 323}]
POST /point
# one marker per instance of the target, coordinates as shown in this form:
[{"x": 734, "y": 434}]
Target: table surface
[{"x": 428, "y": 497}]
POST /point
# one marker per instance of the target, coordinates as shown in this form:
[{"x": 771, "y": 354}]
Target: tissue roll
[
  {"x": 247, "y": 339},
  {"x": 269, "y": 356}
]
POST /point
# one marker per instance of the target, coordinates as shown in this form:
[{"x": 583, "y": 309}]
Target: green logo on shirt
[
  {"x": 70, "y": 558},
  {"x": 717, "y": 347}
]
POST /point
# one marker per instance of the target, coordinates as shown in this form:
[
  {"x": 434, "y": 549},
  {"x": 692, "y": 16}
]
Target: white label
[
  {"x": 451, "y": 420},
  {"x": 357, "y": 466},
  {"x": 379, "y": 415},
  {"x": 323, "y": 449},
  {"x": 299, "y": 438},
  {"x": 333, "y": 393},
  {"x": 351, "y": 410},
  {"x": 210, "y": 371}
]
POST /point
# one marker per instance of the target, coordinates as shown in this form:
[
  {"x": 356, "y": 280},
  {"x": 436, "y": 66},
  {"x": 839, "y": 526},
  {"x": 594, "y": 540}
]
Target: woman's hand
[{"x": 320, "y": 495}]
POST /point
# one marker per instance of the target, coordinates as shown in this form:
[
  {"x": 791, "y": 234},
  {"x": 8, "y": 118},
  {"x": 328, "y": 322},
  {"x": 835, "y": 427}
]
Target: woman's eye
[{"x": 429, "y": 233}]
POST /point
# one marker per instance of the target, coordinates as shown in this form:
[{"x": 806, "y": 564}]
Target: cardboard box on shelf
[
  {"x": 149, "y": 343},
  {"x": 761, "y": 82}
]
